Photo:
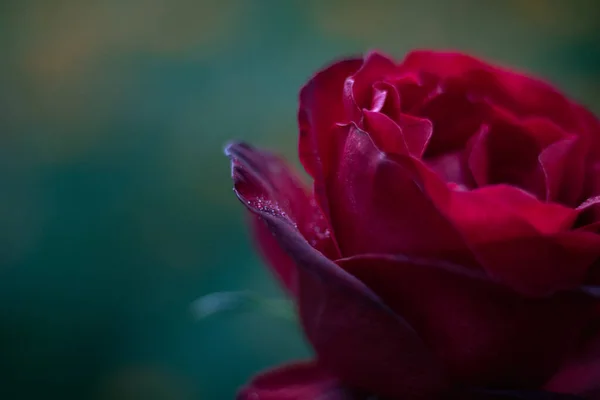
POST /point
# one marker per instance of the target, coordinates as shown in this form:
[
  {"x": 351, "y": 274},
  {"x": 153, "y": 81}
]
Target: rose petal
[
  {"x": 478, "y": 157},
  {"x": 484, "y": 333},
  {"x": 501, "y": 212},
  {"x": 353, "y": 333},
  {"x": 414, "y": 88},
  {"x": 593, "y": 275},
  {"x": 516, "y": 395},
  {"x": 302, "y": 381},
  {"x": 386, "y": 99},
  {"x": 417, "y": 133},
  {"x": 589, "y": 221},
  {"x": 590, "y": 139},
  {"x": 511, "y": 151},
  {"x": 593, "y": 183},
  {"x": 539, "y": 266},
  {"x": 589, "y": 124},
  {"x": 455, "y": 118},
  {"x": 267, "y": 184},
  {"x": 358, "y": 88},
  {"x": 321, "y": 107},
  {"x": 442, "y": 64},
  {"x": 519, "y": 93},
  {"x": 453, "y": 169},
  {"x": 382, "y": 206},
  {"x": 581, "y": 375},
  {"x": 407, "y": 135},
  {"x": 589, "y": 213},
  {"x": 564, "y": 170},
  {"x": 309, "y": 381},
  {"x": 512, "y": 158},
  {"x": 282, "y": 265},
  {"x": 522, "y": 242},
  {"x": 386, "y": 134}
]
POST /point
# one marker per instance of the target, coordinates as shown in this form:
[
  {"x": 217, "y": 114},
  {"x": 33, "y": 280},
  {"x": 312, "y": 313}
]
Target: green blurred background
[{"x": 116, "y": 206}]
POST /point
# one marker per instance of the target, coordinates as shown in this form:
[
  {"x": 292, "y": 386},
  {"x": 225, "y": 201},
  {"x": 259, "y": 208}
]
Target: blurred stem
[{"x": 244, "y": 301}]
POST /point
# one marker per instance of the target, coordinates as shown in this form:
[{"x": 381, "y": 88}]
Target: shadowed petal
[
  {"x": 282, "y": 265},
  {"x": 353, "y": 333},
  {"x": 581, "y": 375},
  {"x": 516, "y": 395},
  {"x": 486, "y": 334},
  {"x": 302, "y": 381},
  {"x": 309, "y": 381}
]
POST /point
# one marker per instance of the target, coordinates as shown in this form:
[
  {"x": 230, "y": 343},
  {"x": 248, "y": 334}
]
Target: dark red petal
[
  {"x": 589, "y": 214},
  {"x": 283, "y": 266},
  {"x": 455, "y": 118},
  {"x": 589, "y": 221},
  {"x": 563, "y": 165},
  {"x": 406, "y": 135},
  {"x": 581, "y": 375},
  {"x": 302, "y": 381},
  {"x": 486, "y": 334},
  {"x": 502, "y": 212},
  {"x": 593, "y": 181},
  {"x": 522, "y": 242},
  {"x": 513, "y": 159},
  {"x": 386, "y": 134},
  {"x": 511, "y": 151},
  {"x": 515, "y": 395},
  {"x": 264, "y": 182},
  {"x": 442, "y": 64},
  {"x": 589, "y": 125},
  {"x": 593, "y": 227},
  {"x": 417, "y": 133},
  {"x": 517, "y": 92},
  {"x": 382, "y": 204},
  {"x": 358, "y": 88},
  {"x": 477, "y": 156},
  {"x": 538, "y": 266},
  {"x": 321, "y": 107},
  {"x": 386, "y": 100},
  {"x": 593, "y": 275},
  {"x": 353, "y": 333},
  {"x": 591, "y": 129},
  {"x": 453, "y": 169},
  {"x": 414, "y": 89}
]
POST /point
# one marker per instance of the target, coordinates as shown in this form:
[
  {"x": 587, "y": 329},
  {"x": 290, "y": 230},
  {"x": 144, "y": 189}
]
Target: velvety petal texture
[{"x": 449, "y": 245}]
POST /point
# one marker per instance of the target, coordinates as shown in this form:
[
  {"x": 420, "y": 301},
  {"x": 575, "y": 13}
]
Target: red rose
[{"x": 451, "y": 243}]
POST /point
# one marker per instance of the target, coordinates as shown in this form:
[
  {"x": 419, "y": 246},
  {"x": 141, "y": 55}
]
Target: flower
[{"x": 451, "y": 239}]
